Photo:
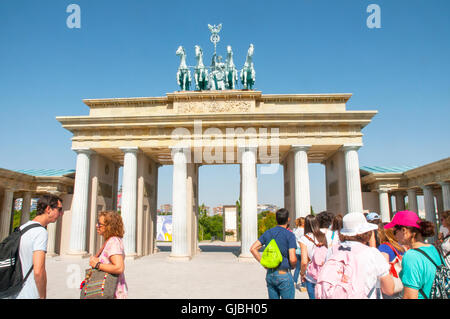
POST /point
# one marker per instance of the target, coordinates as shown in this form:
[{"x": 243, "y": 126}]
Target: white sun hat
[{"x": 355, "y": 224}]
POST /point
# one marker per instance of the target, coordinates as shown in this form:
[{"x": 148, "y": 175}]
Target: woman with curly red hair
[{"x": 111, "y": 256}]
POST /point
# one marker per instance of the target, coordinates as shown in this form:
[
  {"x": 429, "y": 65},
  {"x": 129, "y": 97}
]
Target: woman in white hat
[{"x": 373, "y": 268}]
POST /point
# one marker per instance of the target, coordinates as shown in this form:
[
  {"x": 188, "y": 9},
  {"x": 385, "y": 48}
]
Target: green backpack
[{"x": 271, "y": 256}]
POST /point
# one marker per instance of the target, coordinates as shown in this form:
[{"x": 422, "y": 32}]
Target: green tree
[
  {"x": 266, "y": 220},
  {"x": 202, "y": 209},
  {"x": 238, "y": 211},
  {"x": 18, "y": 214},
  {"x": 210, "y": 227}
]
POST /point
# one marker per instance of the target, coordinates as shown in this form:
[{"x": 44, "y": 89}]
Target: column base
[
  {"x": 52, "y": 255},
  {"x": 180, "y": 258},
  {"x": 246, "y": 258},
  {"x": 132, "y": 256},
  {"x": 78, "y": 254}
]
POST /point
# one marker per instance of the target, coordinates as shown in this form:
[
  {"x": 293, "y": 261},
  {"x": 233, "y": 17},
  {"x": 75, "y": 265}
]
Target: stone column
[
  {"x": 301, "y": 181},
  {"x": 192, "y": 207},
  {"x": 446, "y": 195},
  {"x": 80, "y": 204},
  {"x": 439, "y": 201},
  {"x": 430, "y": 209},
  {"x": 115, "y": 186},
  {"x": 249, "y": 201},
  {"x": 179, "y": 205},
  {"x": 399, "y": 201},
  {"x": 154, "y": 210},
  {"x": 129, "y": 199},
  {"x": 412, "y": 201},
  {"x": 384, "y": 205},
  {"x": 391, "y": 210},
  {"x": 26, "y": 206},
  {"x": 353, "y": 179},
  {"x": 6, "y": 212},
  {"x": 51, "y": 243}
]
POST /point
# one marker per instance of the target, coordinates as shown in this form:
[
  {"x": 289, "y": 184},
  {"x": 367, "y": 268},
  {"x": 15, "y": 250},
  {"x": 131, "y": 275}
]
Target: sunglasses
[
  {"x": 98, "y": 224},
  {"x": 397, "y": 228}
]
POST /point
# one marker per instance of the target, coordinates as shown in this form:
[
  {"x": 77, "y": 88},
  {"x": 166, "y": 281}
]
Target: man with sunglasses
[{"x": 33, "y": 247}]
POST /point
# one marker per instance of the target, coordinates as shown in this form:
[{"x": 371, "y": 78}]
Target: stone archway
[{"x": 180, "y": 128}]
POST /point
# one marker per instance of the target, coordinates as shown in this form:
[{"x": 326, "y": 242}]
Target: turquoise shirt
[{"x": 417, "y": 270}]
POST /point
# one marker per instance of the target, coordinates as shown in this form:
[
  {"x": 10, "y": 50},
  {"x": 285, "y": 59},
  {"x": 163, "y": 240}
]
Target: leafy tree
[
  {"x": 17, "y": 216},
  {"x": 238, "y": 211},
  {"x": 266, "y": 220},
  {"x": 210, "y": 227},
  {"x": 202, "y": 209}
]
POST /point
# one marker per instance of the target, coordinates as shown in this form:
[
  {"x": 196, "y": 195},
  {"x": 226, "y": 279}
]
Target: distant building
[
  {"x": 267, "y": 207},
  {"x": 166, "y": 209},
  {"x": 217, "y": 210},
  {"x": 119, "y": 199},
  {"x": 34, "y": 202},
  {"x": 18, "y": 204}
]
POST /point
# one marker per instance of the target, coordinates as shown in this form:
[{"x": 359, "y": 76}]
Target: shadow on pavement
[{"x": 207, "y": 248}]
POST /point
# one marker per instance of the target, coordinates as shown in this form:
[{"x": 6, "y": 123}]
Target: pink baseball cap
[{"x": 404, "y": 218}]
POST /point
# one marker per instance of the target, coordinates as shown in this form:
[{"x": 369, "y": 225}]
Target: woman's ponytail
[{"x": 427, "y": 228}]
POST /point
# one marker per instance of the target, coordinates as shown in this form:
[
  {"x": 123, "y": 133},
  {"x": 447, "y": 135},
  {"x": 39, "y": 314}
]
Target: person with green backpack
[{"x": 278, "y": 257}]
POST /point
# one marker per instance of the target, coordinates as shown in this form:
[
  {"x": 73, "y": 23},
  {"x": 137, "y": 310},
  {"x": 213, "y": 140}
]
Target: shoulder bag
[{"x": 98, "y": 284}]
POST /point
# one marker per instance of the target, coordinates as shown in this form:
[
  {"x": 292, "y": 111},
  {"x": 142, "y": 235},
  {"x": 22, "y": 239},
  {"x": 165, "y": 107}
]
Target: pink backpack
[
  {"x": 320, "y": 255},
  {"x": 339, "y": 278}
]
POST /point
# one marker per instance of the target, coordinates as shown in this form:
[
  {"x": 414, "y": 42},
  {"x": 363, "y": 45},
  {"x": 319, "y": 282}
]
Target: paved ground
[{"x": 215, "y": 273}]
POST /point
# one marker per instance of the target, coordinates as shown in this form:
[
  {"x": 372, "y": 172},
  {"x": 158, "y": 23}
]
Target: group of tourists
[
  {"x": 333, "y": 256},
  {"x": 356, "y": 256},
  {"x": 24, "y": 276}
]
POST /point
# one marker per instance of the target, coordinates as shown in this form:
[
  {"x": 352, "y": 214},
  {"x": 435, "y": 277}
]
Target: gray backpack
[{"x": 441, "y": 283}]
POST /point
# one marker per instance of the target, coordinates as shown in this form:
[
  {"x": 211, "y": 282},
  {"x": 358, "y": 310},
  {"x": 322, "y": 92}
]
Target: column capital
[
  {"x": 298, "y": 147},
  {"x": 129, "y": 149},
  {"x": 446, "y": 183},
  {"x": 57, "y": 193},
  {"x": 383, "y": 190},
  {"x": 428, "y": 187},
  {"x": 86, "y": 151},
  {"x": 175, "y": 148},
  {"x": 246, "y": 148},
  {"x": 351, "y": 147}
]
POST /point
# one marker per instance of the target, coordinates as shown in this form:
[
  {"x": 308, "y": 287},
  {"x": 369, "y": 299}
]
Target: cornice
[
  {"x": 357, "y": 118},
  {"x": 218, "y": 95}
]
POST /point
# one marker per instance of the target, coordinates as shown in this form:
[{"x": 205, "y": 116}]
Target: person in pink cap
[{"x": 418, "y": 263}]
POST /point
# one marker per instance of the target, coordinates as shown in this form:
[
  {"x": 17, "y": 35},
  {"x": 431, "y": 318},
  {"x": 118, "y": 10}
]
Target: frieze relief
[{"x": 214, "y": 107}]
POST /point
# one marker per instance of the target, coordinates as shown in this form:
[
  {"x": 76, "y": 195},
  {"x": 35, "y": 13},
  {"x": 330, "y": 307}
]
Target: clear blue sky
[{"x": 127, "y": 49}]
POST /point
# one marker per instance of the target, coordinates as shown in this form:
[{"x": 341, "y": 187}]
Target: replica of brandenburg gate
[{"x": 216, "y": 123}]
